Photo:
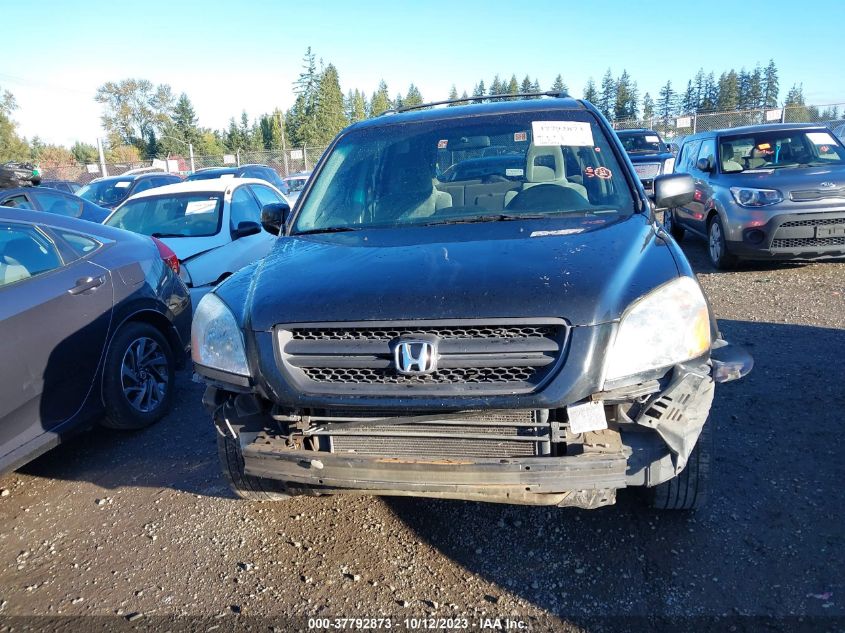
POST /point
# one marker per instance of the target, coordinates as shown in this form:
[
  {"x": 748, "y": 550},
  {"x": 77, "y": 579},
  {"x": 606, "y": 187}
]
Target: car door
[
  {"x": 19, "y": 200},
  {"x": 685, "y": 164},
  {"x": 55, "y": 312},
  {"x": 703, "y": 196},
  {"x": 245, "y": 207}
]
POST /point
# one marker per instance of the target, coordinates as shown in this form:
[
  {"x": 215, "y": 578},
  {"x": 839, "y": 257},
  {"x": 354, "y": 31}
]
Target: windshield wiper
[
  {"x": 498, "y": 217},
  {"x": 328, "y": 229},
  {"x": 159, "y": 235}
]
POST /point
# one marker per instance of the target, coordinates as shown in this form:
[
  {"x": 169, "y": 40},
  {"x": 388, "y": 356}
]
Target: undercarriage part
[{"x": 678, "y": 414}]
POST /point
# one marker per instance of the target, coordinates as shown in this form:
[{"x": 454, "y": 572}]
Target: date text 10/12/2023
[{"x": 412, "y": 624}]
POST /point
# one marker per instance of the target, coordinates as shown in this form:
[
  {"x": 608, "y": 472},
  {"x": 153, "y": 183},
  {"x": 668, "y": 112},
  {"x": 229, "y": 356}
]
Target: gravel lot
[{"x": 124, "y": 524}]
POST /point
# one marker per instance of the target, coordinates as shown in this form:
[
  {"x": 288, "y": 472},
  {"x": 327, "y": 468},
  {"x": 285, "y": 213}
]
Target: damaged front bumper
[{"x": 652, "y": 428}]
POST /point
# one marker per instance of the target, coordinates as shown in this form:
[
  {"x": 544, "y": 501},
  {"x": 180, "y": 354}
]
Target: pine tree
[
  {"x": 689, "y": 102},
  {"x": 744, "y": 89},
  {"x": 526, "y": 85},
  {"x": 559, "y": 86},
  {"x": 414, "y": 97},
  {"x": 453, "y": 94},
  {"x": 770, "y": 85},
  {"x": 700, "y": 89},
  {"x": 624, "y": 107},
  {"x": 330, "y": 116},
  {"x": 607, "y": 97},
  {"x": 795, "y": 107},
  {"x": 754, "y": 96},
  {"x": 513, "y": 86},
  {"x": 495, "y": 87},
  {"x": 380, "y": 101},
  {"x": 711, "y": 94},
  {"x": 479, "y": 91},
  {"x": 535, "y": 87},
  {"x": 728, "y": 88},
  {"x": 666, "y": 101},
  {"x": 357, "y": 106},
  {"x": 590, "y": 92},
  {"x": 648, "y": 108}
]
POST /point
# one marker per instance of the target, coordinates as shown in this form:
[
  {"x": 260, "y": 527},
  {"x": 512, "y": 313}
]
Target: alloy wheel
[
  {"x": 715, "y": 241},
  {"x": 144, "y": 374}
]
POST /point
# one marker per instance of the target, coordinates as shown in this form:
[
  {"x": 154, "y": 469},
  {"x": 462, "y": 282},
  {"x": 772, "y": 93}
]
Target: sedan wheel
[
  {"x": 716, "y": 246},
  {"x": 138, "y": 377}
]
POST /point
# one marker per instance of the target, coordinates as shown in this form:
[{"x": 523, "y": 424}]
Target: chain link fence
[
  {"x": 284, "y": 162},
  {"x": 678, "y": 126},
  {"x": 291, "y": 161}
]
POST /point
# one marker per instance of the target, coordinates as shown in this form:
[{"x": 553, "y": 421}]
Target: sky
[{"x": 234, "y": 56}]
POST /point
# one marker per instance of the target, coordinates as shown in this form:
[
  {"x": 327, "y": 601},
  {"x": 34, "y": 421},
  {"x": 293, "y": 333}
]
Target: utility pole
[
  {"x": 284, "y": 144},
  {"x": 103, "y": 169},
  {"x": 191, "y": 153}
]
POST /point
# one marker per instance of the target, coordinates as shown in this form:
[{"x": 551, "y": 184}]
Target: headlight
[
  {"x": 669, "y": 166},
  {"x": 216, "y": 339},
  {"x": 747, "y": 197},
  {"x": 667, "y": 326}
]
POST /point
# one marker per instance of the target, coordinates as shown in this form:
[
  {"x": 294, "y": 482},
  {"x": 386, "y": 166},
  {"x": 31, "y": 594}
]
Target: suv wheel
[
  {"x": 717, "y": 247},
  {"x": 687, "y": 491},
  {"x": 138, "y": 378},
  {"x": 671, "y": 226},
  {"x": 243, "y": 485}
]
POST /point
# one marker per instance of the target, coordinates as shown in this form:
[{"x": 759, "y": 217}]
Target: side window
[
  {"x": 160, "y": 181},
  {"x": 20, "y": 202},
  {"x": 81, "y": 244},
  {"x": 689, "y": 152},
  {"x": 143, "y": 185},
  {"x": 25, "y": 253},
  {"x": 52, "y": 202},
  {"x": 708, "y": 151},
  {"x": 244, "y": 208},
  {"x": 266, "y": 195}
]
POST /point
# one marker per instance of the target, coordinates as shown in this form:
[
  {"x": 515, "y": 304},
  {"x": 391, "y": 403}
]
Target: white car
[{"x": 213, "y": 226}]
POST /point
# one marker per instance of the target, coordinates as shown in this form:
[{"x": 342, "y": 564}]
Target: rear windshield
[
  {"x": 404, "y": 174},
  {"x": 180, "y": 215},
  {"x": 642, "y": 143},
  {"x": 210, "y": 175},
  {"x": 106, "y": 192},
  {"x": 778, "y": 149}
]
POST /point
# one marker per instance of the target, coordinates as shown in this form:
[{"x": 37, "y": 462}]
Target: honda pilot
[{"x": 531, "y": 339}]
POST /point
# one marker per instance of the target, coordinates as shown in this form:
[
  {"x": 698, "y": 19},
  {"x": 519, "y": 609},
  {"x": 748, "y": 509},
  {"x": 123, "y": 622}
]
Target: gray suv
[{"x": 764, "y": 192}]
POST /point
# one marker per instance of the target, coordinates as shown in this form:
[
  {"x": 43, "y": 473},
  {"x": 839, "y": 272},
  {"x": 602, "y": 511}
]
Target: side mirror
[
  {"x": 703, "y": 164},
  {"x": 673, "y": 190},
  {"x": 274, "y": 216},
  {"x": 246, "y": 228}
]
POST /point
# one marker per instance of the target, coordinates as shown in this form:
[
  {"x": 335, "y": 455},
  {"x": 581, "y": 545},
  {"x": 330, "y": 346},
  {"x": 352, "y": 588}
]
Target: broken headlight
[{"x": 667, "y": 326}]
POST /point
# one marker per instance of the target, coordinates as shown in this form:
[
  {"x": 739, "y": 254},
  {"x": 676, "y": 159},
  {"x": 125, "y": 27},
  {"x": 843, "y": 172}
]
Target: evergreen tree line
[{"x": 144, "y": 121}]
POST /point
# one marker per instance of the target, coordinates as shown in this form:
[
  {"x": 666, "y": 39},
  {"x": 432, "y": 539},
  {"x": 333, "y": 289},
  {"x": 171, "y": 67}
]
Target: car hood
[
  {"x": 187, "y": 247},
  {"x": 585, "y": 271},
  {"x": 789, "y": 178}
]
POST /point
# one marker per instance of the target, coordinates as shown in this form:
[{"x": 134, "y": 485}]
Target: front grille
[
  {"x": 505, "y": 433},
  {"x": 492, "y": 357},
  {"x": 647, "y": 170},
  {"x": 809, "y": 242},
  {"x": 808, "y": 195},
  {"x": 817, "y": 222}
]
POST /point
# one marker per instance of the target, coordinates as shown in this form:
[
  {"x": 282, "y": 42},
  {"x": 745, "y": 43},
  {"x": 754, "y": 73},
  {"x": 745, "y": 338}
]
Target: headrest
[{"x": 543, "y": 173}]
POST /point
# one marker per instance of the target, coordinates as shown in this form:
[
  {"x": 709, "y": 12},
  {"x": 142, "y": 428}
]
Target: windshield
[
  {"x": 642, "y": 143},
  {"x": 180, "y": 215},
  {"x": 105, "y": 192},
  {"x": 776, "y": 149},
  {"x": 404, "y": 174},
  {"x": 296, "y": 184}
]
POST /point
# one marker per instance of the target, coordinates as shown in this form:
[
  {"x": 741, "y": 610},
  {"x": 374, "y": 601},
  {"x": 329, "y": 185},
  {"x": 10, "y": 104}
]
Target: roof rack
[{"x": 549, "y": 93}]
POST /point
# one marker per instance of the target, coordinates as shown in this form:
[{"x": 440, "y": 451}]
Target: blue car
[{"x": 53, "y": 201}]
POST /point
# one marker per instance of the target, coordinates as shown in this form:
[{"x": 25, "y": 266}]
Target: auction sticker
[
  {"x": 586, "y": 417},
  {"x": 520, "y": 137},
  {"x": 195, "y": 207},
  {"x": 550, "y": 133},
  {"x": 443, "y": 143}
]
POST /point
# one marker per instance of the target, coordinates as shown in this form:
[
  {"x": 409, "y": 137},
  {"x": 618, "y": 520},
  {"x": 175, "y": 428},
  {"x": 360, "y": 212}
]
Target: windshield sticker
[
  {"x": 195, "y": 207},
  {"x": 551, "y": 133},
  {"x": 558, "y": 232},
  {"x": 821, "y": 138},
  {"x": 519, "y": 137},
  {"x": 599, "y": 172},
  {"x": 514, "y": 172},
  {"x": 442, "y": 143},
  {"x": 123, "y": 184},
  {"x": 652, "y": 139}
]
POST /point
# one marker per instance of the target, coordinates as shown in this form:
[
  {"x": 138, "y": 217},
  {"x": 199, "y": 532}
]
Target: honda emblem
[{"x": 415, "y": 358}]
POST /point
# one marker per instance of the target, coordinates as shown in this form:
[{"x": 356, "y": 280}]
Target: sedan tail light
[{"x": 167, "y": 255}]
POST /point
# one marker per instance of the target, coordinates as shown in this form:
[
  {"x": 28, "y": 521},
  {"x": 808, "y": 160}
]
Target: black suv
[
  {"x": 111, "y": 191},
  {"x": 539, "y": 340},
  {"x": 649, "y": 154}
]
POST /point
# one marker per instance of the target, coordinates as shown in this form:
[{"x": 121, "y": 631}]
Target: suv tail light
[{"x": 167, "y": 255}]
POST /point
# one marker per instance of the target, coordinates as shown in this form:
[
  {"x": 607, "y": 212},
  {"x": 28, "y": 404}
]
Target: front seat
[
  {"x": 541, "y": 174},
  {"x": 728, "y": 162},
  {"x": 408, "y": 189}
]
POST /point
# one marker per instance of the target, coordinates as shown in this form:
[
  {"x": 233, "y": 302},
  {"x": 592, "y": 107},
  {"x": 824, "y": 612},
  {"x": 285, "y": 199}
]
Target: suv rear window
[{"x": 400, "y": 174}]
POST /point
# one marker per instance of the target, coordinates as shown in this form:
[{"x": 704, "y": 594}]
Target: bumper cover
[{"x": 793, "y": 236}]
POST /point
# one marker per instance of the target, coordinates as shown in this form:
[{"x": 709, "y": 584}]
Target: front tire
[
  {"x": 138, "y": 377},
  {"x": 717, "y": 246},
  {"x": 243, "y": 485},
  {"x": 671, "y": 226},
  {"x": 689, "y": 490}
]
